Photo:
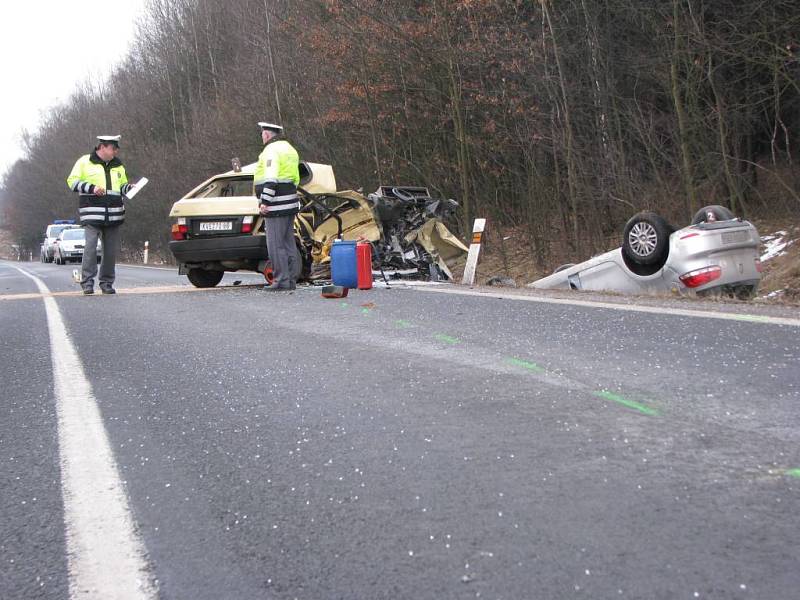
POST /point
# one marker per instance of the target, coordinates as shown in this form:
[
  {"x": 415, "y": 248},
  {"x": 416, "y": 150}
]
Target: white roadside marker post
[
  {"x": 146, "y": 250},
  {"x": 474, "y": 250}
]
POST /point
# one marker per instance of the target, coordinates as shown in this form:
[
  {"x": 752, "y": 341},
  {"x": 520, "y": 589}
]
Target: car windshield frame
[
  {"x": 67, "y": 234},
  {"x": 56, "y": 230},
  {"x": 227, "y": 187}
]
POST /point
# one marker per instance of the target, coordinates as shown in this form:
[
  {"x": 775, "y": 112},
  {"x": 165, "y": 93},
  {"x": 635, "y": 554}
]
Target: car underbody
[{"x": 716, "y": 255}]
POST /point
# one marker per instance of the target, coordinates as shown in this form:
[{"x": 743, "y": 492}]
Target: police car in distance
[
  {"x": 47, "y": 249},
  {"x": 70, "y": 244},
  {"x": 716, "y": 255}
]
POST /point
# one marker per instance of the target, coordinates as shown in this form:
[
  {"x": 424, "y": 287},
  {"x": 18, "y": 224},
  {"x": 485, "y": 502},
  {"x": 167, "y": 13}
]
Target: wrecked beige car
[{"x": 217, "y": 227}]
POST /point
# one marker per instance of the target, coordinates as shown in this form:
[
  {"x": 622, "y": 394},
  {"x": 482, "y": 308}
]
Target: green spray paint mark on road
[
  {"x": 625, "y": 402},
  {"x": 793, "y": 473},
  {"x": 518, "y": 362},
  {"x": 344, "y": 304},
  {"x": 402, "y": 323},
  {"x": 364, "y": 311},
  {"x": 752, "y": 318},
  {"x": 447, "y": 339}
]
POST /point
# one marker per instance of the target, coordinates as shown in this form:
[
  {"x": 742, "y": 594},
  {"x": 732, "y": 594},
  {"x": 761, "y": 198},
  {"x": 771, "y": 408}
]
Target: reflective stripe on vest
[
  {"x": 101, "y": 210},
  {"x": 280, "y": 198}
]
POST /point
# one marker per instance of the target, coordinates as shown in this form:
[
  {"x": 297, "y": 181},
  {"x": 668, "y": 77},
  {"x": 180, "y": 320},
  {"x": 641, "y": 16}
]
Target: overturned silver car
[{"x": 716, "y": 255}]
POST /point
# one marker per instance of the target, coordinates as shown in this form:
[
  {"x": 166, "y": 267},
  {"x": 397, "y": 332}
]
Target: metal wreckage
[
  {"x": 406, "y": 227},
  {"x": 217, "y": 227}
]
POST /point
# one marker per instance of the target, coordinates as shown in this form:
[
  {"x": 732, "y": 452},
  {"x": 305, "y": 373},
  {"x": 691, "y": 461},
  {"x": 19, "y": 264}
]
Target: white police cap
[
  {"x": 109, "y": 139},
  {"x": 270, "y": 126}
]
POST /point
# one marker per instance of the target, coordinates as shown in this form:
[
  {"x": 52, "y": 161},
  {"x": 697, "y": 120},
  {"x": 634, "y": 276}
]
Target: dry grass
[
  {"x": 781, "y": 275},
  {"x": 505, "y": 254}
]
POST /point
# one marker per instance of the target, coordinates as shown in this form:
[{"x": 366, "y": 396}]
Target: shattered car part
[{"x": 414, "y": 233}]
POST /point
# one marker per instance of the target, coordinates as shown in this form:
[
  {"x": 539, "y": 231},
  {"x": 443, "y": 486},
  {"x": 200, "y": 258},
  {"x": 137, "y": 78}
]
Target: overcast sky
[{"x": 47, "y": 47}]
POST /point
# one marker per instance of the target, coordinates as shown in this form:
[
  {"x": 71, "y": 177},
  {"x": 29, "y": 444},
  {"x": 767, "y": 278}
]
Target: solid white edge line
[
  {"x": 704, "y": 314},
  {"x": 106, "y": 557},
  {"x": 128, "y": 265}
]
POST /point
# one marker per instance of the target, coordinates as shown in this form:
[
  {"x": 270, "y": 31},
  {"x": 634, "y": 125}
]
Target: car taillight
[
  {"x": 699, "y": 277},
  {"x": 247, "y": 224},
  {"x": 759, "y": 266},
  {"x": 688, "y": 235},
  {"x": 179, "y": 229}
]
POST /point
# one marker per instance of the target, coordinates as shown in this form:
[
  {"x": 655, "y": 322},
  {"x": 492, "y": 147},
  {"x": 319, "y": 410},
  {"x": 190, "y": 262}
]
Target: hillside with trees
[{"x": 558, "y": 119}]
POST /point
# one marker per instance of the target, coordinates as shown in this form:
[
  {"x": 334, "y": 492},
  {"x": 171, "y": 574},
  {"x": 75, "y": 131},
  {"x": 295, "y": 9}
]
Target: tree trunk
[{"x": 690, "y": 202}]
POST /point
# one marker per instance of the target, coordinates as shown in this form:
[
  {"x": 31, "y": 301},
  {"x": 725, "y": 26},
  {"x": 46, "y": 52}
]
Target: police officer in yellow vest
[
  {"x": 276, "y": 178},
  {"x": 101, "y": 182}
]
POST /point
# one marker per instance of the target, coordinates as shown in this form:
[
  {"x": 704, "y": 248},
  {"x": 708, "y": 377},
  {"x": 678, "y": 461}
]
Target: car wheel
[
  {"x": 204, "y": 278},
  {"x": 646, "y": 238},
  {"x": 714, "y": 212}
]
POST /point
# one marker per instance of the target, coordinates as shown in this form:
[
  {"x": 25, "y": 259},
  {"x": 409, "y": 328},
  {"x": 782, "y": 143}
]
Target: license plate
[
  {"x": 735, "y": 237},
  {"x": 216, "y": 226}
]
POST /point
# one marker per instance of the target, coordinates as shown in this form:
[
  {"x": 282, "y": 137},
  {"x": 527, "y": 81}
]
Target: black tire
[
  {"x": 305, "y": 261},
  {"x": 712, "y": 213},
  {"x": 645, "y": 239},
  {"x": 202, "y": 278}
]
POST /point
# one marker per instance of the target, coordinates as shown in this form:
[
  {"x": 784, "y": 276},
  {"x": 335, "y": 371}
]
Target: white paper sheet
[{"x": 138, "y": 186}]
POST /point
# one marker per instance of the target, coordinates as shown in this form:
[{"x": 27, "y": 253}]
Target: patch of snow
[{"x": 775, "y": 245}]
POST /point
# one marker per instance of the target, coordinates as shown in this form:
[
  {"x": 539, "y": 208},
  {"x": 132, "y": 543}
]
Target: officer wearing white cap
[
  {"x": 101, "y": 182},
  {"x": 276, "y": 178}
]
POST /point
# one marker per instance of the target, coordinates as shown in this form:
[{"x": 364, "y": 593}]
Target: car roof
[
  {"x": 246, "y": 170},
  {"x": 62, "y": 226}
]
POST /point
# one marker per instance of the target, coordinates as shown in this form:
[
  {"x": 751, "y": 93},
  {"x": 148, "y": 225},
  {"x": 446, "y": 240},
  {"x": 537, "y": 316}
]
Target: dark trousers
[
  {"x": 282, "y": 250},
  {"x": 110, "y": 237}
]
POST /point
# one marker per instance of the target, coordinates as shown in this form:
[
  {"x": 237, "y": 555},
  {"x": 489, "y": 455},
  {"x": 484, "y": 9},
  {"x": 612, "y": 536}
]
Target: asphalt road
[{"x": 401, "y": 443}]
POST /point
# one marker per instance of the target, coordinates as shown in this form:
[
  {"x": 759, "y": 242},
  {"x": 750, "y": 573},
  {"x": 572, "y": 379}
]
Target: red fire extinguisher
[{"x": 364, "y": 265}]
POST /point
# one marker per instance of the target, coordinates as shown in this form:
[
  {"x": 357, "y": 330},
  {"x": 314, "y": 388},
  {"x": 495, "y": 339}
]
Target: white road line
[
  {"x": 659, "y": 310},
  {"x": 107, "y": 559},
  {"x": 130, "y": 266}
]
